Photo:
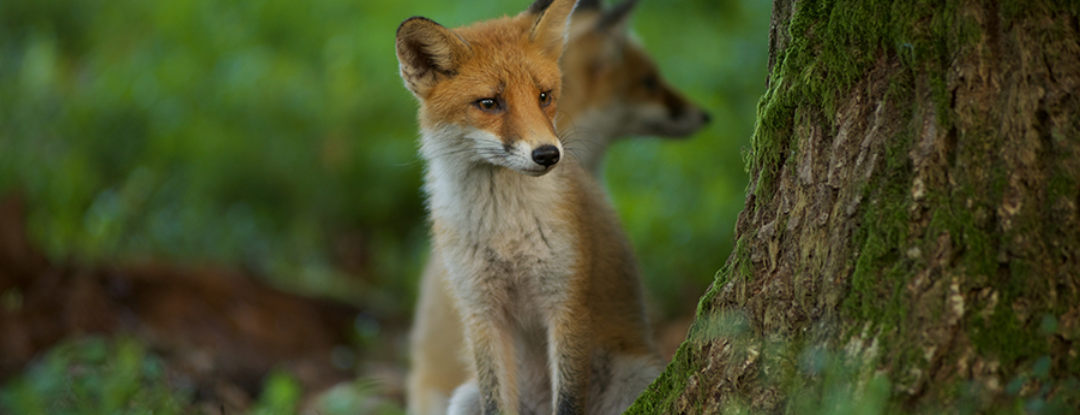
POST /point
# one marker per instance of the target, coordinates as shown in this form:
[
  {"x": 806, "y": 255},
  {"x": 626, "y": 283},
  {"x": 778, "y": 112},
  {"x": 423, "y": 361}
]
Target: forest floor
[{"x": 218, "y": 330}]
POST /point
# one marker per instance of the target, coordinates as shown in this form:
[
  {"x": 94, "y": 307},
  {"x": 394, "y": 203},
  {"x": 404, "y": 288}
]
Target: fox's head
[
  {"x": 609, "y": 75},
  {"x": 488, "y": 92}
]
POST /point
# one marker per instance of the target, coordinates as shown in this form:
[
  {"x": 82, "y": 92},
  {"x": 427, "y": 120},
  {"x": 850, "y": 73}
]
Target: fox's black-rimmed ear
[
  {"x": 618, "y": 18},
  {"x": 427, "y": 53},
  {"x": 549, "y": 27}
]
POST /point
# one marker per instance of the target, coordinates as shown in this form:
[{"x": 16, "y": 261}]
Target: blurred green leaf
[
  {"x": 268, "y": 132},
  {"x": 93, "y": 376},
  {"x": 280, "y": 395}
]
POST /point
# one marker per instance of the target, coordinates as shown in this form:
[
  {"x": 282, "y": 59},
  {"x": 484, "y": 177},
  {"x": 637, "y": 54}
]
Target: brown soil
[{"x": 220, "y": 330}]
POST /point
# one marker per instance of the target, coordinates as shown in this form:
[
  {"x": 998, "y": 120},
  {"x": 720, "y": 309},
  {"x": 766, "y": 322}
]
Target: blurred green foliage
[
  {"x": 94, "y": 376},
  {"x": 117, "y": 376},
  {"x": 358, "y": 397},
  {"x": 260, "y": 132},
  {"x": 280, "y": 395}
]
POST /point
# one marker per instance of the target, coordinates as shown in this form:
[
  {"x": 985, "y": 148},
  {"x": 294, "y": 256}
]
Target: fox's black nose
[
  {"x": 706, "y": 117},
  {"x": 546, "y": 156}
]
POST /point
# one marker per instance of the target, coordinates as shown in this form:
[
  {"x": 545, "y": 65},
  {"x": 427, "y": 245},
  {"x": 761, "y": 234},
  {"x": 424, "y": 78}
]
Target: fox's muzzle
[{"x": 546, "y": 155}]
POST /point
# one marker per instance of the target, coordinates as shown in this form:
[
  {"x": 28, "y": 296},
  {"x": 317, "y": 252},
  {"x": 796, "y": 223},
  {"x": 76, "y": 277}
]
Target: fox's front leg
[
  {"x": 493, "y": 354},
  {"x": 569, "y": 353}
]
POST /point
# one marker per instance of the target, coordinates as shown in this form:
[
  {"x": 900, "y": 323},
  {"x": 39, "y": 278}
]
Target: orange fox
[
  {"x": 537, "y": 267},
  {"x": 612, "y": 89}
]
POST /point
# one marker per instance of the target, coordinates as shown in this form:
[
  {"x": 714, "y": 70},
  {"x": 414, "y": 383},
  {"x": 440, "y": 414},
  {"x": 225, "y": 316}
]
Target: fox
[
  {"x": 612, "y": 90},
  {"x": 537, "y": 268}
]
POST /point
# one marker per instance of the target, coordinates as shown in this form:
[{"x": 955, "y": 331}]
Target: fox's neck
[{"x": 477, "y": 200}]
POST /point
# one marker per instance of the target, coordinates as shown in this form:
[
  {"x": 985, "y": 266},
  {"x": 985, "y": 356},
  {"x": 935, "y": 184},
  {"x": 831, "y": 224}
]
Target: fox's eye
[
  {"x": 545, "y": 99},
  {"x": 650, "y": 82},
  {"x": 488, "y": 104}
]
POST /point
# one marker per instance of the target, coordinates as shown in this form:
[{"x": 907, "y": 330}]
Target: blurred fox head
[
  {"x": 609, "y": 75},
  {"x": 489, "y": 92}
]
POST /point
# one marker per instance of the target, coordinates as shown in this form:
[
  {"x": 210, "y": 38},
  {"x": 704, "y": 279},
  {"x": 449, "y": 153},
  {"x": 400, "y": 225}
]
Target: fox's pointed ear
[
  {"x": 551, "y": 18},
  {"x": 428, "y": 53},
  {"x": 618, "y": 18}
]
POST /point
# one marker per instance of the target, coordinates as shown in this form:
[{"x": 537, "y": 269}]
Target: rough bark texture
[{"x": 911, "y": 237}]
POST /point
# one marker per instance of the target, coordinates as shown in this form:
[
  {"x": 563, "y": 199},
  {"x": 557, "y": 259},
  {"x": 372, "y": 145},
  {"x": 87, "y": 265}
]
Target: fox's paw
[{"x": 466, "y": 400}]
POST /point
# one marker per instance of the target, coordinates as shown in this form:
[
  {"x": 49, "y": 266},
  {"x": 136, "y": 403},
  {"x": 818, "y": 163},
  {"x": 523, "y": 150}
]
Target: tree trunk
[{"x": 911, "y": 235}]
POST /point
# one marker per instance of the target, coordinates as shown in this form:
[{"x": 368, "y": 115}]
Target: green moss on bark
[
  {"x": 667, "y": 387},
  {"x": 914, "y": 191},
  {"x": 833, "y": 45}
]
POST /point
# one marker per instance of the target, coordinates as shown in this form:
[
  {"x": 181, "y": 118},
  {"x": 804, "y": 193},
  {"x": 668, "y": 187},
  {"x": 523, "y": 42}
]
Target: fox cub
[
  {"x": 542, "y": 276},
  {"x": 611, "y": 90}
]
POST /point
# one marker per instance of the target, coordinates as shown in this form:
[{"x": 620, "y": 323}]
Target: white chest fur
[{"x": 500, "y": 233}]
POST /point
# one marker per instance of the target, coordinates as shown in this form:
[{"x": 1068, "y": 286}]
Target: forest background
[{"x": 274, "y": 136}]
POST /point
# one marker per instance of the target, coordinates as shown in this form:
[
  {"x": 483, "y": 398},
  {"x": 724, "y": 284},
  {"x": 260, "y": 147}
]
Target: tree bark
[{"x": 911, "y": 235}]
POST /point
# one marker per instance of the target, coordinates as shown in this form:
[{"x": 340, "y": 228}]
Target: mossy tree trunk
[{"x": 911, "y": 237}]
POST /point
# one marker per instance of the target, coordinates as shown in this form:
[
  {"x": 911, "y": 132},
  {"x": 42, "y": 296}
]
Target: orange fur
[
  {"x": 537, "y": 266},
  {"x": 607, "y": 77}
]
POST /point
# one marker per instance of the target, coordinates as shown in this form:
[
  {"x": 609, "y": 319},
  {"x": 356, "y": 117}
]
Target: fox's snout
[
  {"x": 535, "y": 156},
  {"x": 547, "y": 155},
  {"x": 683, "y": 118},
  {"x": 680, "y": 108}
]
